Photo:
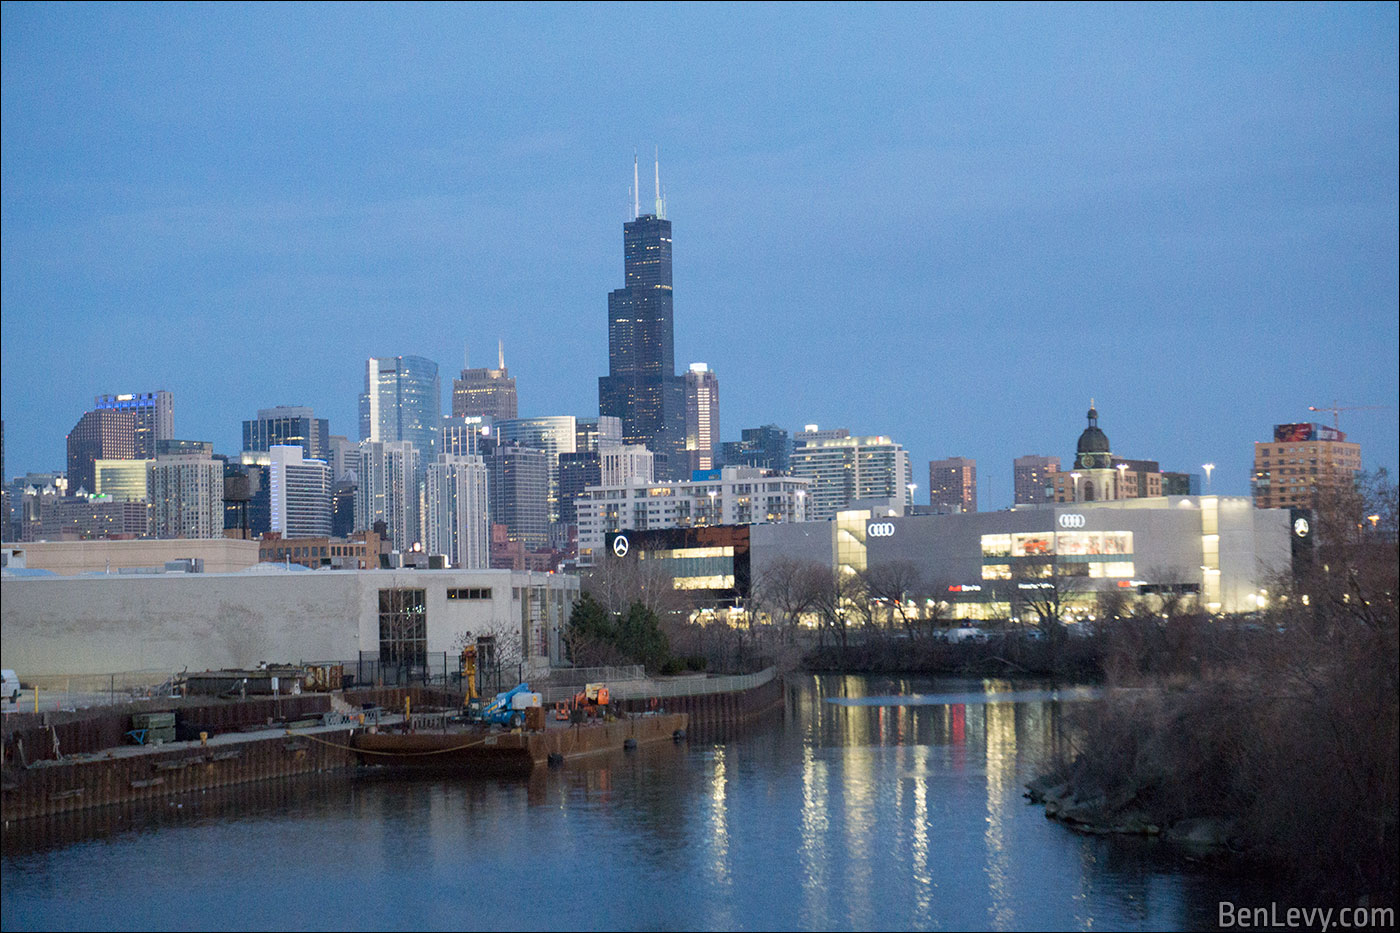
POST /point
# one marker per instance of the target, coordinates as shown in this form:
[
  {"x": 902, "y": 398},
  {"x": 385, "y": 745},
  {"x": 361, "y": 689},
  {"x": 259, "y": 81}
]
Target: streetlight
[
  {"x": 1075, "y": 476},
  {"x": 1122, "y": 468},
  {"x": 912, "y": 487},
  {"x": 801, "y": 512},
  {"x": 1208, "y": 467},
  {"x": 712, "y": 507}
]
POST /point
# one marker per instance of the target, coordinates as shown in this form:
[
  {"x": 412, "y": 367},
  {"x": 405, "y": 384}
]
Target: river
[{"x": 869, "y": 803}]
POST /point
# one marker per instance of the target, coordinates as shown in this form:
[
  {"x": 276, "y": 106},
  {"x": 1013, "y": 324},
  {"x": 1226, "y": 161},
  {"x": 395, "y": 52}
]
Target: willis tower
[{"x": 641, "y": 387}]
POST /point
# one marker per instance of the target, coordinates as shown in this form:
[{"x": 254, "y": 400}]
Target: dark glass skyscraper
[{"x": 641, "y": 387}]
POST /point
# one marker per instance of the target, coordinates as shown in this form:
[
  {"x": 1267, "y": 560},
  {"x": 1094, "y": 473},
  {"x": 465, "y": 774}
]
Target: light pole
[
  {"x": 1208, "y": 467},
  {"x": 801, "y": 512},
  {"x": 1122, "y": 469},
  {"x": 712, "y": 507},
  {"x": 912, "y": 487},
  {"x": 1075, "y": 476}
]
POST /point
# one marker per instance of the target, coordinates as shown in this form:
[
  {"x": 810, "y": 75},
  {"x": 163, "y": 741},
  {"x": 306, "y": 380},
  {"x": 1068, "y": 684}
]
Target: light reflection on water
[{"x": 866, "y": 815}]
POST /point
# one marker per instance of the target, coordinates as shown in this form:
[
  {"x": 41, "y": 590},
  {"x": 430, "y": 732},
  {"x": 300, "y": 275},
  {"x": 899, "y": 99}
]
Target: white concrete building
[
  {"x": 299, "y": 493},
  {"x": 844, "y": 470},
  {"x": 199, "y": 621},
  {"x": 186, "y": 493},
  {"x": 629, "y": 463},
  {"x": 457, "y": 504},
  {"x": 388, "y": 491},
  {"x": 732, "y": 496}
]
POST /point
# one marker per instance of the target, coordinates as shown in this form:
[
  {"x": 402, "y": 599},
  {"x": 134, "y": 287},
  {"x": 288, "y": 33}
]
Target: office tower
[
  {"x": 952, "y": 484},
  {"x": 595, "y": 434},
  {"x": 1304, "y": 462},
  {"x": 185, "y": 490},
  {"x": 343, "y": 457},
  {"x": 767, "y": 448},
  {"x": 123, "y": 480},
  {"x": 402, "y": 401},
  {"x": 388, "y": 491},
  {"x": 1032, "y": 478},
  {"x": 486, "y": 392},
  {"x": 155, "y": 417},
  {"x": 843, "y": 469},
  {"x": 577, "y": 471},
  {"x": 630, "y": 463},
  {"x": 103, "y": 434},
  {"x": 701, "y": 417},
  {"x": 299, "y": 491},
  {"x": 457, "y": 504},
  {"x": 287, "y": 424},
  {"x": 641, "y": 387},
  {"x": 518, "y": 486},
  {"x": 555, "y": 435},
  {"x": 343, "y": 508}
]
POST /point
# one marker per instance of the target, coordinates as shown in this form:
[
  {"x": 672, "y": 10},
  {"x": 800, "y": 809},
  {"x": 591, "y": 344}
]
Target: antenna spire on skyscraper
[
  {"x": 636, "y": 189},
  {"x": 501, "y": 354},
  {"x": 660, "y": 206}
]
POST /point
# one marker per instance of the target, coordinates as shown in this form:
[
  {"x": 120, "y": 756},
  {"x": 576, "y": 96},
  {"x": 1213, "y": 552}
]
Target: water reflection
[{"x": 851, "y": 811}]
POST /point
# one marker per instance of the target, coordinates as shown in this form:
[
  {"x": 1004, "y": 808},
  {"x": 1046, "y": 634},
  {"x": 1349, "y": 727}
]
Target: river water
[{"x": 870, "y": 803}]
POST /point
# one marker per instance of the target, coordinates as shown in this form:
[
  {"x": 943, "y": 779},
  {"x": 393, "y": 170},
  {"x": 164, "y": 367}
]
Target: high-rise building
[
  {"x": 844, "y": 469},
  {"x": 1302, "y": 463},
  {"x": 641, "y": 387},
  {"x": 577, "y": 471},
  {"x": 247, "y": 498},
  {"x": 595, "y": 434},
  {"x": 155, "y": 417},
  {"x": 485, "y": 392},
  {"x": 465, "y": 434},
  {"x": 768, "y": 448},
  {"x": 402, "y": 401},
  {"x": 457, "y": 504},
  {"x": 1032, "y": 478},
  {"x": 102, "y": 434},
  {"x": 952, "y": 484},
  {"x": 554, "y": 434},
  {"x": 288, "y": 424},
  {"x": 518, "y": 486},
  {"x": 186, "y": 493},
  {"x": 630, "y": 463},
  {"x": 701, "y": 417},
  {"x": 388, "y": 491},
  {"x": 299, "y": 491},
  {"x": 343, "y": 458}
]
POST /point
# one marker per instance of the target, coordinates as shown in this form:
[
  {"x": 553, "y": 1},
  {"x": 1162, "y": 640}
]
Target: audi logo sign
[
  {"x": 620, "y": 545},
  {"x": 879, "y": 530},
  {"x": 1071, "y": 520}
]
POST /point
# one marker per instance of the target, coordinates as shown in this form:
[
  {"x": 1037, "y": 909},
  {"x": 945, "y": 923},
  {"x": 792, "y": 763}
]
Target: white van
[{"x": 9, "y": 691}]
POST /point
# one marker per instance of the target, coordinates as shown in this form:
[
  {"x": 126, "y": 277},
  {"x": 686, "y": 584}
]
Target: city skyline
[{"x": 1192, "y": 224}]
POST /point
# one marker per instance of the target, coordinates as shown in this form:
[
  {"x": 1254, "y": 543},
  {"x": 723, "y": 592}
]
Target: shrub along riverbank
[{"x": 1280, "y": 744}]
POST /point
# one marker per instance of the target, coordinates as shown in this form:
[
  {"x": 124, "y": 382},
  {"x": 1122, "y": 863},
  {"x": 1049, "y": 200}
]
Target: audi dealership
[{"x": 1218, "y": 550}]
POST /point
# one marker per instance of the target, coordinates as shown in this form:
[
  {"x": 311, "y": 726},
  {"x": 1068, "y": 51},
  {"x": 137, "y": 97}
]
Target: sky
[{"x": 950, "y": 224}]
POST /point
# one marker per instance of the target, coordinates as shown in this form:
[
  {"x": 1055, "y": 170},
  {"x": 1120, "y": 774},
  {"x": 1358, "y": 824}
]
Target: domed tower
[{"x": 1094, "y": 452}]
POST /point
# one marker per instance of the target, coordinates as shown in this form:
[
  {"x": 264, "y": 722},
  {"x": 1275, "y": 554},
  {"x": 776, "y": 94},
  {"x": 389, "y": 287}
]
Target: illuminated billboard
[{"x": 1295, "y": 433}]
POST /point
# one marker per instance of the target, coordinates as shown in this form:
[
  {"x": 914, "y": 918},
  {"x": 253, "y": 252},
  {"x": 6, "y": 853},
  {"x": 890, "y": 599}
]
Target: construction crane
[{"x": 1336, "y": 410}]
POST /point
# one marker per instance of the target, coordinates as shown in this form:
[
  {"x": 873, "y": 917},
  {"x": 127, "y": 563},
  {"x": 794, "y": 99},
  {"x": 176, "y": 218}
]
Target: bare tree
[
  {"x": 787, "y": 590},
  {"x": 896, "y": 586}
]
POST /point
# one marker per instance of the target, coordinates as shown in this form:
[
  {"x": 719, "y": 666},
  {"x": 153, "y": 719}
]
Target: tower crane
[{"x": 1336, "y": 410}]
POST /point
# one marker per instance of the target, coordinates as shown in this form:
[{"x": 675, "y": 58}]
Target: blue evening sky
[{"x": 950, "y": 224}]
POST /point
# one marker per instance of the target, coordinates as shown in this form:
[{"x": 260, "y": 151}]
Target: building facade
[
  {"x": 288, "y": 424},
  {"x": 702, "y": 446},
  {"x": 186, "y": 494},
  {"x": 1301, "y": 464},
  {"x": 728, "y": 496},
  {"x": 402, "y": 401},
  {"x": 641, "y": 388},
  {"x": 387, "y": 491},
  {"x": 768, "y": 448},
  {"x": 1033, "y": 479},
  {"x": 488, "y": 393},
  {"x": 518, "y": 486},
  {"x": 843, "y": 469},
  {"x": 457, "y": 506},
  {"x": 952, "y": 484},
  {"x": 299, "y": 493}
]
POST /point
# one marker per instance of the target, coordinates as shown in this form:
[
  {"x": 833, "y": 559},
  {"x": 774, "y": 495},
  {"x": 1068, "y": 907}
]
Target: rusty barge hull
[{"x": 467, "y": 752}]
